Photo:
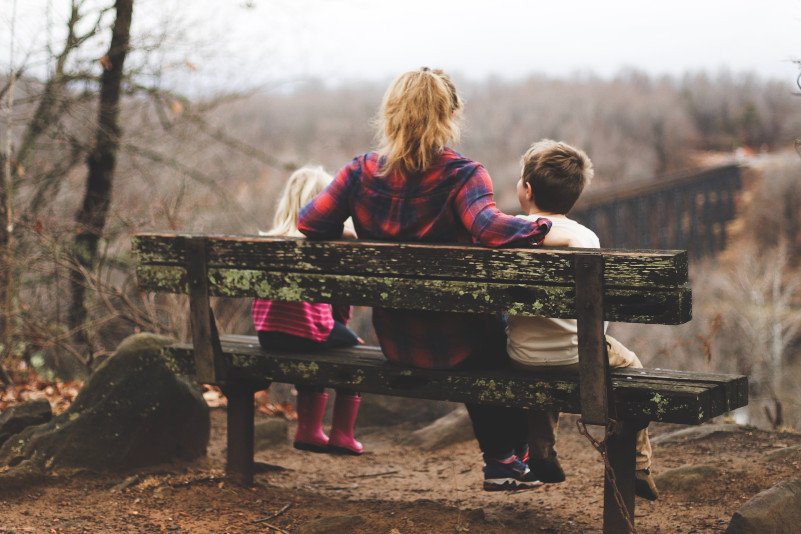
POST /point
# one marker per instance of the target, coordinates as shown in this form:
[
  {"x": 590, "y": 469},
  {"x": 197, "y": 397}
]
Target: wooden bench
[{"x": 589, "y": 285}]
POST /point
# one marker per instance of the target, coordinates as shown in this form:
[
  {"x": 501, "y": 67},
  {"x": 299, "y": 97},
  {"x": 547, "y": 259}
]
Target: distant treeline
[{"x": 633, "y": 126}]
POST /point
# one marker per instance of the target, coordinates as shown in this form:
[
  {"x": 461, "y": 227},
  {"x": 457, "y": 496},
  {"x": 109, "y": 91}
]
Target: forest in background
[{"x": 215, "y": 163}]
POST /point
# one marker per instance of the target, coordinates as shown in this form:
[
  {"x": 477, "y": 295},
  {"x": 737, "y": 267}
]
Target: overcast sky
[
  {"x": 362, "y": 39},
  {"x": 261, "y": 41}
]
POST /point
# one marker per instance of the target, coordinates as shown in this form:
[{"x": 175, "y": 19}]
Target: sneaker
[
  {"x": 522, "y": 454},
  {"x": 547, "y": 470},
  {"x": 508, "y": 476},
  {"x": 644, "y": 485}
]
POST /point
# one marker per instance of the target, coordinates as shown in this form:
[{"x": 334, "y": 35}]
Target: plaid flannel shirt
[{"x": 450, "y": 202}]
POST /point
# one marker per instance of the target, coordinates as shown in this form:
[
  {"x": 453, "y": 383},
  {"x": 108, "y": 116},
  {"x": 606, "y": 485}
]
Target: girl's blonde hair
[
  {"x": 303, "y": 185},
  {"x": 419, "y": 116}
]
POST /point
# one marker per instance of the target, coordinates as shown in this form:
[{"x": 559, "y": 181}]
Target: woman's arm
[
  {"x": 324, "y": 217},
  {"x": 475, "y": 204}
]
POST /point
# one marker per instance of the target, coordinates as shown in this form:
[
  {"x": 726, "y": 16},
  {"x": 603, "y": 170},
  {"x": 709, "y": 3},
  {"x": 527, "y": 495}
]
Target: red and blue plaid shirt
[{"x": 450, "y": 202}]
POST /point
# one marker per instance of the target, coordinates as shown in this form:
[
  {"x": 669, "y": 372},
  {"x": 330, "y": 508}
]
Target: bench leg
[
  {"x": 239, "y": 461},
  {"x": 621, "y": 457}
]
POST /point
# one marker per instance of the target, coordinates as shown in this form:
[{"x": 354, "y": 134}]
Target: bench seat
[{"x": 652, "y": 394}]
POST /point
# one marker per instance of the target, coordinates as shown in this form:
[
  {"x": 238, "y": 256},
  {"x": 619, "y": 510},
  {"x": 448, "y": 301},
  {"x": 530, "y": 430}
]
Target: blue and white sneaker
[{"x": 508, "y": 476}]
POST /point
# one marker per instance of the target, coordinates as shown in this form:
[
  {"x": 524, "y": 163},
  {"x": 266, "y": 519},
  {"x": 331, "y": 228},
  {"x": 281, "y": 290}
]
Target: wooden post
[
  {"x": 620, "y": 447},
  {"x": 594, "y": 382},
  {"x": 595, "y": 386},
  {"x": 239, "y": 455},
  {"x": 209, "y": 360}
]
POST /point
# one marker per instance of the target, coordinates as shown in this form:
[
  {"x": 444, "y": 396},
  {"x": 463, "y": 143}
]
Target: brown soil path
[{"x": 395, "y": 490}]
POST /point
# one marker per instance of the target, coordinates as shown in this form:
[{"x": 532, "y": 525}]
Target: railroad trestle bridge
[{"x": 688, "y": 210}]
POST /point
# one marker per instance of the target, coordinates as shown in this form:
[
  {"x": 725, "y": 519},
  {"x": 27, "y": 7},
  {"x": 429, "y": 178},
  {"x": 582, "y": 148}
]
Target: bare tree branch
[
  {"x": 219, "y": 135},
  {"x": 185, "y": 170}
]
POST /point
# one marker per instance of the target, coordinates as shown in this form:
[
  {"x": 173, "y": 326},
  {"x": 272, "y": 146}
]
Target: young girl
[{"x": 304, "y": 326}]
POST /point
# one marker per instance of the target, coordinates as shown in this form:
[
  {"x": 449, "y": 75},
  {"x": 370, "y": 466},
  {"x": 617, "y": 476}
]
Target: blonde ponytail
[{"x": 419, "y": 116}]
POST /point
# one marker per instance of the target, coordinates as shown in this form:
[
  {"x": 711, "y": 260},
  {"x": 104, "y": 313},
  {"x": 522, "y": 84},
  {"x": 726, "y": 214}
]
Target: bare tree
[
  {"x": 101, "y": 162},
  {"x": 6, "y": 212},
  {"x": 760, "y": 298}
]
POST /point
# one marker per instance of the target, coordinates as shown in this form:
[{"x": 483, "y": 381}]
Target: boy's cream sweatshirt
[{"x": 539, "y": 341}]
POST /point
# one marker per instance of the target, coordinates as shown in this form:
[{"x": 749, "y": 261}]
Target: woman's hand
[{"x": 559, "y": 237}]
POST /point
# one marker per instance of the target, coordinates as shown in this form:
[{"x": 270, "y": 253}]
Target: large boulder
[
  {"x": 137, "y": 409},
  {"x": 17, "y": 418},
  {"x": 776, "y": 510}
]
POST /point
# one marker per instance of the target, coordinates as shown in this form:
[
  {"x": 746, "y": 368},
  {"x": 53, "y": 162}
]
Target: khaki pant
[{"x": 542, "y": 425}]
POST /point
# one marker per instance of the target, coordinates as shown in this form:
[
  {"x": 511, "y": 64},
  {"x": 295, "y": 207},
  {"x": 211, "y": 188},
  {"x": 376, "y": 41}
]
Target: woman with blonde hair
[
  {"x": 416, "y": 188},
  {"x": 309, "y": 327}
]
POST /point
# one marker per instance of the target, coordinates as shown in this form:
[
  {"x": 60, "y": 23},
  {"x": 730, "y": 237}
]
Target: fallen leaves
[
  {"x": 59, "y": 394},
  {"x": 62, "y": 394},
  {"x": 216, "y": 399}
]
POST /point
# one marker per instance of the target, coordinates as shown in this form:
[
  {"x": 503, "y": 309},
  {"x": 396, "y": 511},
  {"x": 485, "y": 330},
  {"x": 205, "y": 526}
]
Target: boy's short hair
[{"x": 557, "y": 174}]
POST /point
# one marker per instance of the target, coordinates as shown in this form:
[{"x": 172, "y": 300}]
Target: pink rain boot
[
  {"x": 346, "y": 408},
  {"x": 311, "y": 408}
]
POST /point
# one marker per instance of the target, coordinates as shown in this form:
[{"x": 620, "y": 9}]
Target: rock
[
  {"x": 334, "y": 524},
  {"x": 270, "y": 433},
  {"x": 784, "y": 454},
  {"x": 445, "y": 431},
  {"x": 476, "y": 515},
  {"x": 776, "y": 510},
  {"x": 17, "y": 418},
  {"x": 22, "y": 475},
  {"x": 698, "y": 432},
  {"x": 687, "y": 478},
  {"x": 137, "y": 409}
]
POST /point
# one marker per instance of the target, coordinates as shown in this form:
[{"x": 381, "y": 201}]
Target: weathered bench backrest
[
  {"x": 588, "y": 285},
  {"x": 638, "y": 286}
]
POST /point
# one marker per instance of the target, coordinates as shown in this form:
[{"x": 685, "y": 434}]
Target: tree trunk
[
  {"x": 91, "y": 218},
  {"x": 5, "y": 269}
]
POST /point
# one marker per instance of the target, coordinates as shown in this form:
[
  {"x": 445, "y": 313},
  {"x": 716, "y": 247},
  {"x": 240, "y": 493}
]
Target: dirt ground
[{"x": 393, "y": 489}]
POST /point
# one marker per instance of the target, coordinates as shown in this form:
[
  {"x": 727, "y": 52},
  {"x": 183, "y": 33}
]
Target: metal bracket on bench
[
  {"x": 209, "y": 360},
  {"x": 594, "y": 380}
]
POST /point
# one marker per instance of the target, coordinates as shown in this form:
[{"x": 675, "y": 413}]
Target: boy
[{"x": 553, "y": 177}]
